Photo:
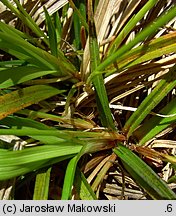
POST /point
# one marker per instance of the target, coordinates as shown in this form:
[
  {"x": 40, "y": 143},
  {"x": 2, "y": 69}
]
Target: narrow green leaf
[
  {"x": 16, "y": 122},
  {"x": 28, "y": 126},
  {"x": 16, "y": 75},
  {"x": 83, "y": 188},
  {"x": 8, "y": 29},
  {"x": 160, "y": 91},
  {"x": 41, "y": 188},
  {"x": 78, "y": 17},
  {"x": 14, "y": 171},
  {"x": 172, "y": 179},
  {"x": 149, "y": 30},
  {"x": 76, "y": 23},
  {"x": 26, "y": 18},
  {"x": 27, "y": 52},
  {"x": 15, "y": 163},
  {"x": 88, "y": 147},
  {"x": 81, "y": 17},
  {"x": 70, "y": 174},
  {"x": 156, "y": 124},
  {"x": 98, "y": 81},
  {"x": 144, "y": 175},
  {"x": 7, "y": 64},
  {"x": 23, "y": 50},
  {"x": 17, "y": 158},
  {"x": 64, "y": 134},
  {"x": 28, "y": 131},
  {"x": 130, "y": 25},
  {"x": 9, "y": 172},
  {"x": 58, "y": 27},
  {"x": 17, "y": 100},
  {"x": 69, "y": 178},
  {"x": 51, "y": 34},
  {"x": 155, "y": 48}
]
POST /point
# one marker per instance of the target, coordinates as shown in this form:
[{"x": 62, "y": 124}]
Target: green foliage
[
  {"x": 160, "y": 91},
  {"x": 57, "y": 81},
  {"x": 42, "y": 185},
  {"x": 144, "y": 175},
  {"x": 98, "y": 82}
]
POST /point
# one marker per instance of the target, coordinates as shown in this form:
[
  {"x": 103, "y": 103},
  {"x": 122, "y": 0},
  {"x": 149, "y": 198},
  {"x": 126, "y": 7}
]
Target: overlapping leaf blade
[
  {"x": 156, "y": 124},
  {"x": 144, "y": 175},
  {"x": 160, "y": 91},
  {"x": 98, "y": 81},
  {"x": 23, "y": 50},
  {"x": 130, "y": 25},
  {"x": 149, "y": 30},
  {"x": 22, "y": 74},
  {"x": 25, "y": 17},
  {"x": 17, "y": 163},
  {"x": 145, "y": 52},
  {"x": 83, "y": 188},
  {"x": 52, "y": 34},
  {"x": 17, "y": 100}
]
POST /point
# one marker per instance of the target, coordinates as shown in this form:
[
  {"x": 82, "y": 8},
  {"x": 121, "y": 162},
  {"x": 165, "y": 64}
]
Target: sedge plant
[{"x": 86, "y": 92}]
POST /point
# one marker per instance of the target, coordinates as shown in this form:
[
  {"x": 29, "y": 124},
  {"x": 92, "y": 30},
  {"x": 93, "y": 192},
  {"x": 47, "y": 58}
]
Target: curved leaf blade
[
  {"x": 51, "y": 33},
  {"x": 149, "y": 30},
  {"x": 144, "y": 175},
  {"x": 160, "y": 91},
  {"x": 83, "y": 188},
  {"x": 156, "y": 124},
  {"x": 22, "y": 74},
  {"x": 130, "y": 25},
  {"x": 19, "y": 99},
  {"x": 98, "y": 81},
  {"x": 15, "y": 163},
  {"x": 156, "y": 48}
]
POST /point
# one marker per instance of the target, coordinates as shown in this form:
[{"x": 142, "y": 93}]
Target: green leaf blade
[
  {"x": 156, "y": 124},
  {"x": 98, "y": 81},
  {"x": 130, "y": 25},
  {"x": 140, "y": 37},
  {"x": 160, "y": 91},
  {"x": 17, "y": 100},
  {"x": 144, "y": 175},
  {"x": 83, "y": 188},
  {"x": 51, "y": 33},
  {"x": 22, "y": 74},
  {"x": 41, "y": 189}
]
